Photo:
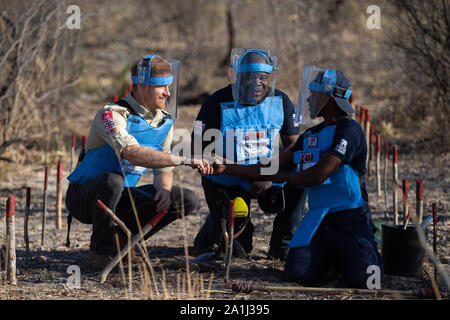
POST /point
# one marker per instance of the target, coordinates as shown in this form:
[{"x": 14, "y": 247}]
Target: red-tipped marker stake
[
  {"x": 25, "y": 227},
  {"x": 115, "y": 98},
  {"x": 59, "y": 176},
  {"x": 72, "y": 153},
  {"x": 11, "y": 235},
  {"x": 83, "y": 141},
  {"x": 136, "y": 238},
  {"x": 377, "y": 164},
  {"x": 367, "y": 132},
  {"x": 385, "y": 173},
  {"x": 395, "y": 181},
  {"x": 419, "y": 200},
  {"x": 405, "y": 200},
  {"x": 362, "y": 113},
  {"x": 435, "y": 236},
  {"x": 370, "y": 150},
  {"x": 44, "y": 205},
  {"x": 230, "y": 244}
]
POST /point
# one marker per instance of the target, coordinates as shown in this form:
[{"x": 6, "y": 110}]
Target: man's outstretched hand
[
  {"x": 212, "y": 169},
  {"x": 205, "y": 168}
]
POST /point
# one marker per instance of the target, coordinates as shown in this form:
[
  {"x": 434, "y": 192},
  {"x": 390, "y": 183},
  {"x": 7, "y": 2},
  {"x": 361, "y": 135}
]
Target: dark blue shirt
[
  {"x": 354, "y": 149},
  {"x": 209, "y": 116}
]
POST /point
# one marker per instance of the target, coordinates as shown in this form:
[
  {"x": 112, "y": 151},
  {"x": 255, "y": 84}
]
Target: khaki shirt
[{"x": 109, "y": 127}]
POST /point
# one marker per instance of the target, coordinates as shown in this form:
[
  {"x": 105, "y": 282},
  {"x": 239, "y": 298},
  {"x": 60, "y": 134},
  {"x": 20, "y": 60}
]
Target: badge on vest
[
  {"x": 199, "y": 126},
  {"x": 313, "y": 141},
  {"x": 254, "y": 144},
  {"x": 306, "y": 161}
]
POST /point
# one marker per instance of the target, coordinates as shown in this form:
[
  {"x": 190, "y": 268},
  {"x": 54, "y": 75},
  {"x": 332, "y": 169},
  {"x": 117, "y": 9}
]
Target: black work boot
[
  {"x": 204, "y": 242},
  {"x": 98, "y": 261},
  {"x": 279, "y": 253}
]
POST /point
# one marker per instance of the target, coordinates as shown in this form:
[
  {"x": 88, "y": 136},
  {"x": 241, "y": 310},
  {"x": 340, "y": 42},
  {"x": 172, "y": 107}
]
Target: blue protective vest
[
  {"x": 341, "y": 191},
  {"x": 104, "y": 159},
  {"x": 255, "y": 129}
]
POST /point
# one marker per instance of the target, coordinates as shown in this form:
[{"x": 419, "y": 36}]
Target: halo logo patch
[{"x": 341, "y": 147}]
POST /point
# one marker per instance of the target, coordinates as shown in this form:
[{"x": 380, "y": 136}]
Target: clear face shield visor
[
  {"x": 172, "y": 100},
  {"x": 316, "y": 89},
  {"x": 310, "y": 102},
  {"x": 252, "y": 75},
  {"x": 171, "y": 80}
]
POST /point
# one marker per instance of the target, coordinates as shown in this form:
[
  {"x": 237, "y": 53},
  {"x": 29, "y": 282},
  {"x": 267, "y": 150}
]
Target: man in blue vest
[
  {"x": 126, "y": 138},
  {"x": 248, "y": 116},
  {"x": 328, "y": 160}
]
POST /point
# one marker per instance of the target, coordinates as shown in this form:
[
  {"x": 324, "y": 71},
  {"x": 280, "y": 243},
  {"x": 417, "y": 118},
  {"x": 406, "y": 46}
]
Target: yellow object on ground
[{"x": 240, "y": 208}]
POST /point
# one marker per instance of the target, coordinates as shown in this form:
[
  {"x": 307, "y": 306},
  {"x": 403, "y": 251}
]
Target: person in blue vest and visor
[
  {"x": 249, "y": 115},
  {"x": 127, "y": 137},
  {"x": 328, "y": 160}
]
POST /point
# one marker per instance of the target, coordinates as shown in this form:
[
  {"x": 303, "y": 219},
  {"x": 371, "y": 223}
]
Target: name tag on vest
[{"x": 253, "y": 144}]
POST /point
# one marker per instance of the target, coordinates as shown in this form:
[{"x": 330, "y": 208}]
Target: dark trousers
[
  {"x": 344, "y": 241},
  {"x": 217, "y": 197},
  {"x": 109, "y": 188}
]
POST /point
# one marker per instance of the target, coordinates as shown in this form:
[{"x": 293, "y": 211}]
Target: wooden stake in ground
[
  {"x": 59, "y": 176},
  {"x": 419, "y": 200},
  {"x": 72, "y": 153},
  {"x": 25, "y": 226},
  {"x": 126, "y": 249},
  {"x": 394, "y": 181},
  {"x": 371, "y": 151},
  {"x": 362, "y": 114},
  {"x": 377, "y": 164},
  {"x": 125, "y": 230},
  {"x": 405, "y": 200},
  {"x": 385, "y": 173},
  {"x": 83, "y": 142},
  {"x": 367, "y": 132},
  {"x": 434, "y": 206},
  {"x": 11, "y": 235},
  {"x": 230, "y": 243},
  {"x": 44, "y": 205}
]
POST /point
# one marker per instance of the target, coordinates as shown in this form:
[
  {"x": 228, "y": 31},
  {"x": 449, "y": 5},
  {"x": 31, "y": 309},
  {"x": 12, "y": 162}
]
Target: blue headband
[
  {"x": 144, "y": 74},
  {"x": 328, "y": 85},
  {"x": 255, "y": 67}
]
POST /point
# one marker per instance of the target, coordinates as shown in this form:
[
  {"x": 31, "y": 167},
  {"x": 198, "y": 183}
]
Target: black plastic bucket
[{"x": 401, "y": 250}]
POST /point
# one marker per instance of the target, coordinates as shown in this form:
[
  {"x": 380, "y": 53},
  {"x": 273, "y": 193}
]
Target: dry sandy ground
[{"x": 44, "y": 274}]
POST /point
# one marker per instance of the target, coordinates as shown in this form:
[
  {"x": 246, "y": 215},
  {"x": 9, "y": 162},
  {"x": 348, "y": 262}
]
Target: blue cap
[{"x": 336, "y": 83}]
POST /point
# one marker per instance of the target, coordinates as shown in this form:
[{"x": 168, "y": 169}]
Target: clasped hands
[{"x": 204, "y": 167}]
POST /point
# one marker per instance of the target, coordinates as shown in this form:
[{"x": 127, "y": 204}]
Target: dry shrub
[
  {"x": 38, "y": 64},
  {"x": 419, "y": 48}
]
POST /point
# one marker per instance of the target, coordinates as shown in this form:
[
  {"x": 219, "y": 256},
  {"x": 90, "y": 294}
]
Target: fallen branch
[
  {"x": 248, "y": 287},
  {"x": 127, "y": 231},
  {"x": 9, "y": 142},
  {"x": 126, "y": 249}
]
